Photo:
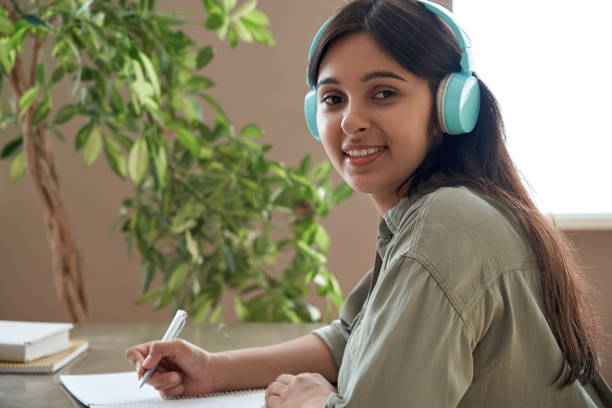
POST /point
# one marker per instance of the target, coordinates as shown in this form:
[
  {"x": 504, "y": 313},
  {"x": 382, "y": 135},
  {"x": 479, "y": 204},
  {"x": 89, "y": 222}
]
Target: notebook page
[
  {"x": 108, "y": 389},
  {"x": 121, "y": 389}
]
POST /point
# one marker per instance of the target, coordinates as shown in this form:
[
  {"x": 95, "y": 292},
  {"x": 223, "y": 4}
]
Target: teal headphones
[{"x": 458, "y": 95}]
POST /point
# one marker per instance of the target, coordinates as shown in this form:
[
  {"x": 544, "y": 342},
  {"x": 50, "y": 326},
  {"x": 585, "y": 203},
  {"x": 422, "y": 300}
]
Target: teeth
[{"x": 363, "y": 152}]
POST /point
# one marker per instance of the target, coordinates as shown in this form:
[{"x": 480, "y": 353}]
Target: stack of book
[{"x": 32, "y": 347}]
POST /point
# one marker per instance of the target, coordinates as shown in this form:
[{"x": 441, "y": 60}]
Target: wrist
[
  {"x": 218, "y": 367},
  {"x": 319, "y": 401}
]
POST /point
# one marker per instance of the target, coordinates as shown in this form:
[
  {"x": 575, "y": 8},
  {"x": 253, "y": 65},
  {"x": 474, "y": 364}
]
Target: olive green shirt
[{"x": 451, "y": 315}]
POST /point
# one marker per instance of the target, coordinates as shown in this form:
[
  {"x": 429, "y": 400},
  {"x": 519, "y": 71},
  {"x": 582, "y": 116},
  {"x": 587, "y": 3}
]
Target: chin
[{"x": 363, "y": 187}]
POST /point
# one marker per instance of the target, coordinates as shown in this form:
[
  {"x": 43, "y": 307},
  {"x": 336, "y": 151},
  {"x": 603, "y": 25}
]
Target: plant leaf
[
  {"x": 313, "y": 313},
  {"x": 83, "y": 135},
  {"x": 27, "y": 99},
  {"x": 83, "y": 8},
  {"x": 115, "y": 157},
  {"x": 188, "y": 140},
  {"x": 6, "y": 26},
  {"x": 233, "y": 38},
  {"x": 10, "y": 147},
  {"x": 260, "y": 33},
  {"x": 308, "y": 250},
  {"x": 139, "y": 160},
  {"x": 197, "y": 84},
  {"x": 57, "y": 75},
  {"x": 92, "y": 147},
  {"x": 212, "y": 6},
  {"x": 66, "y": 113},
  {"x": 18, "y": 166},
  {"x": 116, "y": 100},
  {"x": 41, "y": 112},
  {"x": 149, "y": 296},
  {"x": 214, "y": 22},
  {"x": 243, "y": 33},
  {"x": 40, "y": 74},
  {"x": 150, "y": 70},
  {"x": 161, "y": 165},
  {"x": 257, "y": 17},
  {"x": 322, "y": 239},
  {"x": 177, "y": 278},
  {"x": 341, "y": 193},
  {"x": 34, "y": 20},
  {"x": 200, "y": 307},
  {"x": 228, "y": 5},
  {"x": 215, "y": 316},
  {"x": 251, "y": 130},
  {"x": 205, "y": 55},
  {"x": 246, "y": 8},
  {"x": 241, "y": 310},
  {"x": 192, "y": 246}
]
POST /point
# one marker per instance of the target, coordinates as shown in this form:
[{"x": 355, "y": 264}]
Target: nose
[{"x": 355, "y": 119}]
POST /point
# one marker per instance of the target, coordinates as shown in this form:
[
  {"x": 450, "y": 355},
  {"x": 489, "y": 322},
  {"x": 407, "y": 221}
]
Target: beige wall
[{"x": 255, "y": 84}]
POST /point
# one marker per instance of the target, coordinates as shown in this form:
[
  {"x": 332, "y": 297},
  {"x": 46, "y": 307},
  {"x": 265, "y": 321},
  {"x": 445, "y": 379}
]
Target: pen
[{"x": 172, "y": 333}]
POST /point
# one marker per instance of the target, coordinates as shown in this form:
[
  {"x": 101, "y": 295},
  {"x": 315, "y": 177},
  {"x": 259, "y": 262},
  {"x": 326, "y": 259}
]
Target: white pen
[{"x": 172, "y": 333}]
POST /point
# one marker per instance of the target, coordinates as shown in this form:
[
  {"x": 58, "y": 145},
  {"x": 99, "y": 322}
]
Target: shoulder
[
  {"x": 462, "y": 238},
  {"x": 455, "y": 220}
]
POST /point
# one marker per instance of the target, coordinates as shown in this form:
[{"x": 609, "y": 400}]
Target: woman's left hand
[{"x": 305, "y": 390}]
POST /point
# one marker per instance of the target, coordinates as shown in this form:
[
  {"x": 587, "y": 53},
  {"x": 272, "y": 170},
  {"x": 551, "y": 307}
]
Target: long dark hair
[{"x": 420, "y": 42}]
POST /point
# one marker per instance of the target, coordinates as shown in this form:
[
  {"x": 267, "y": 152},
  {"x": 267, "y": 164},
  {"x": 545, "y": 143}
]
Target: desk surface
[{"x": 108, "y": 342}]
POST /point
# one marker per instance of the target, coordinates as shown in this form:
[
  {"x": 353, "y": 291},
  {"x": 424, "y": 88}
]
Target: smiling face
[{"x": 373, "y": 117}]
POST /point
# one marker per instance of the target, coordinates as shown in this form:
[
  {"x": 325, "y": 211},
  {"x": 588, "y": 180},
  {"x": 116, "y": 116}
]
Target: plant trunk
[{"x": 66, "y": 261}]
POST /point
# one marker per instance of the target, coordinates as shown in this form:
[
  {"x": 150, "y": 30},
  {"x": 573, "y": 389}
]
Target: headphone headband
[
  {"x": 467, "y": 61},
  {"x": 312, "y": 47}
]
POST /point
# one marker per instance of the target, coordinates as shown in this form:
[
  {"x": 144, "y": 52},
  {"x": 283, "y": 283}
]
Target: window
[{"x": 550, "y": 66}]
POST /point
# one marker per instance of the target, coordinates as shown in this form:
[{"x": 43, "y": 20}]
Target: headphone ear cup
[
  {"x": 310, "y": 109},
  {"x": 458, "y": 103}
]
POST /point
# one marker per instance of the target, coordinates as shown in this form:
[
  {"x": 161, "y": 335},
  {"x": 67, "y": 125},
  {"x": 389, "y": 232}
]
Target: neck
[{"x": 385, "y": 201}]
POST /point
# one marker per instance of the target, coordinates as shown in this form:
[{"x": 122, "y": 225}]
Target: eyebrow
[{"x": 366, "y": 77}]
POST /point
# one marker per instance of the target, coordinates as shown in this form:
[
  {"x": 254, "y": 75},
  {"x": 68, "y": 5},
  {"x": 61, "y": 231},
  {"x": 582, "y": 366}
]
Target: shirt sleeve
[
  {"x": 337, "y": 333},
  {"x": 334, "y": 335},
  {"x": 411, "y": 348}
]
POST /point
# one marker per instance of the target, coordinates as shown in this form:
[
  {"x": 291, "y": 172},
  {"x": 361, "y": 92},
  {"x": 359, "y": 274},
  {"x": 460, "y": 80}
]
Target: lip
[{"x": 361, "y": 161}]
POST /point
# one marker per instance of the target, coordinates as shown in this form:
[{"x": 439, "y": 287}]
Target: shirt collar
[{"x": 389, "y": 223}]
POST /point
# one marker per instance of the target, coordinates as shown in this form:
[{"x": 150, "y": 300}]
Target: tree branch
[{"x": 35, "y": 54}]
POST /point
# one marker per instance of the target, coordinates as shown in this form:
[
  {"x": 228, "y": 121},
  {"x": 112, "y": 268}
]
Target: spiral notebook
[{"x": 121, "y": 390}]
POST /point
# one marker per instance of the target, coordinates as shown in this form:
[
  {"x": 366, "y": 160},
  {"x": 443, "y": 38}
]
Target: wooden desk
[{"x": 108, "y": 342}]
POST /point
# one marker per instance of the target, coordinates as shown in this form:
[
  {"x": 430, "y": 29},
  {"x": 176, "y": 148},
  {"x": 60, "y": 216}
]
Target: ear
[{"x": 310, "y": 110}]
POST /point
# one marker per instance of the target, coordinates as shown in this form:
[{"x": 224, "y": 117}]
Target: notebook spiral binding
[
  {"x": 219, "y": 394},
  {"x": 187, "y": 397}
]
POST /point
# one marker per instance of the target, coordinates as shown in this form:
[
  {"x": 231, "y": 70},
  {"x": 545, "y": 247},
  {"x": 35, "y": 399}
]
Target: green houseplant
[{"x": 210, "y": 211}]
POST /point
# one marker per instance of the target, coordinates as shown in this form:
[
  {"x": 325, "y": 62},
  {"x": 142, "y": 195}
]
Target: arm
[
  {"x": 259, "y": 366},
  {"x": 186, "y": 369}
]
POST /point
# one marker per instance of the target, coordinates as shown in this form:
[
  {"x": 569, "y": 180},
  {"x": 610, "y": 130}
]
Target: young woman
[{"x": 474, "y": 299}]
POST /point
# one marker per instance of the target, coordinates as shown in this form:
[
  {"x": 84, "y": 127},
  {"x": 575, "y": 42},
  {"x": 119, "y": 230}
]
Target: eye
[
  {"x": 384, "y": 94},
  {"x": 331, "y": 99}
]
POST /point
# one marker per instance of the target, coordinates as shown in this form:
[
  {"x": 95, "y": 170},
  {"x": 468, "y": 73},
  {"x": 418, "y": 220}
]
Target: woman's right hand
[{"x": 184, "y": 369}]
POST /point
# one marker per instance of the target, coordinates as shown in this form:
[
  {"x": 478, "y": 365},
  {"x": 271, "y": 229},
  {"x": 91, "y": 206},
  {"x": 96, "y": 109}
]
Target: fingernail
[
  {"x": 146, "y": 360},
  {"x": 173, "y": 377}
]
